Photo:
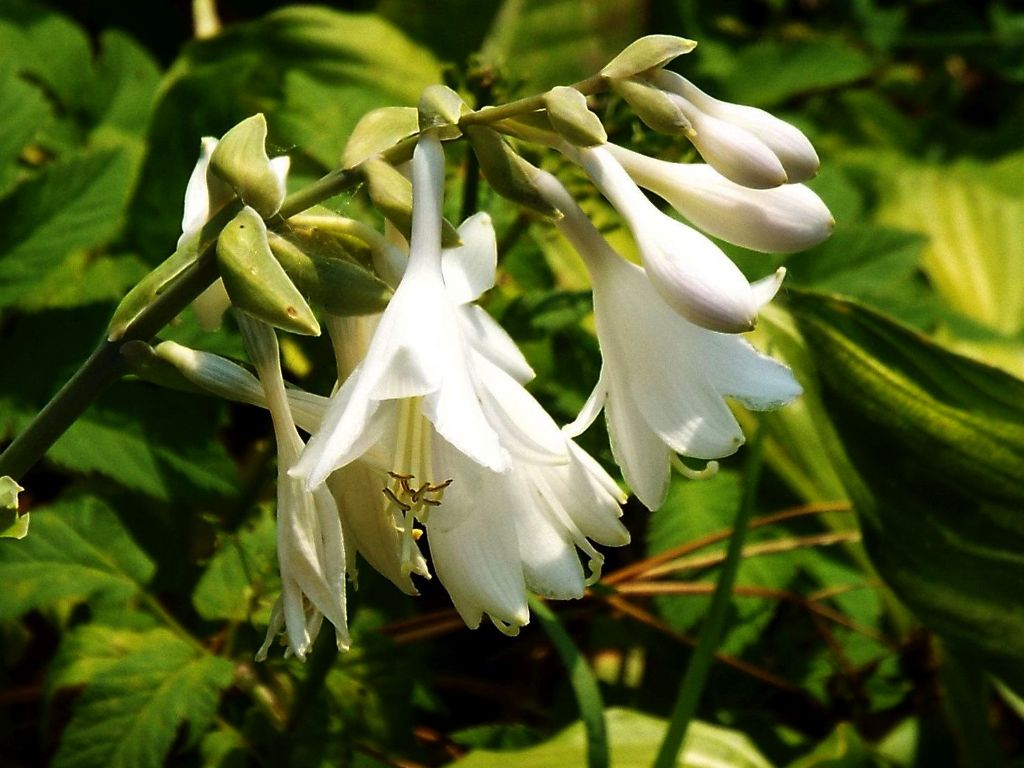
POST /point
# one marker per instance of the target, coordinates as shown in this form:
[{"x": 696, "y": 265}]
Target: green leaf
[
  {"x": 842, "y": 749},
  {"x": 12, "y": 525},
  {"x": 78, "y": 549},
  {"x": 634, "y": 743},
  {"x": 770, "y": 72},
  {"x": 25, "y": 109},
  {"x": 243, "y": 568},
  {"x": 973, "y": 215},
  {"x": 72, "y": 205},
  {"x": 549, "y": 42},
  {"x": 133, "y": 706},
  {"x": 936, "y": 443},
  {"x": 126, "y": 83}
]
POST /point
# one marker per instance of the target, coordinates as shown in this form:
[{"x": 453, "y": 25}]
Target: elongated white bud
[{"x": 780, "y": 220}]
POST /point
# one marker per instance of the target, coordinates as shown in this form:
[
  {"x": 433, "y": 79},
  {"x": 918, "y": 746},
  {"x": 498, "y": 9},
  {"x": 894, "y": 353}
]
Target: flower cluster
[{"x": 430, "y": 430}]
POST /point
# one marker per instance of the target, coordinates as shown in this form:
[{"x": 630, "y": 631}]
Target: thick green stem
[
  {"x": 696, "y": 676},
  {"x": 489, "y": 115}
]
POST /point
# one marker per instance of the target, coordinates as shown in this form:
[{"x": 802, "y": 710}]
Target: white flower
[
  {"x": 780, "y": 220},
  {"x": 205, "y": 195},
  {"x": 417, "y": 358},
  {"x": 745, "y": 144},
  {"x": 663, "y": 379},
  {"x": 310, "y": 545},
  {"x": 690, "y": 272}
]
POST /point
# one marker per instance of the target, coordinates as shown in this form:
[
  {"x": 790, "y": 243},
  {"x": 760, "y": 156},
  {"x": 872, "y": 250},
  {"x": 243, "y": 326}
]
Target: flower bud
[
  {"x": 571, "y": 117},
  {"x": 255, "y": 281},
  {"x": 507, "y": 173},
  {"x": 794, "y": 151},
  {"x": 647, "y": 53},
  {"x": 241, "y": 160},
  {"x": 391, "y": 194},
  {"x": 781, "y": 220},
  {"x": 441, "y": 108},
  {"x": 377, "y": 131},
  {"x": 12, "y": 525},
  {"x": 658, "y": 111}
]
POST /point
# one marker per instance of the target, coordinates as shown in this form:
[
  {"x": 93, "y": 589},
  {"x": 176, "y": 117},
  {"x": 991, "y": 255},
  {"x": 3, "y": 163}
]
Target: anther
[{"x": 391, "y": 495}]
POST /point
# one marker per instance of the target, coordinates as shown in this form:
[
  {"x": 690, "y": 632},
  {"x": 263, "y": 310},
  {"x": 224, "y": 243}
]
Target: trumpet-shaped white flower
[
  {"x": 663, "y": 379},
  {"x": 745, "y": 144},
  {"x": 780, "y": 220},
  {"x": 310, "y": 545},
  {"x": 690, "y": 272}
]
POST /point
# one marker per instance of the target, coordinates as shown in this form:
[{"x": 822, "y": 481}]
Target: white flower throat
[{"x": 412, "y": 490}]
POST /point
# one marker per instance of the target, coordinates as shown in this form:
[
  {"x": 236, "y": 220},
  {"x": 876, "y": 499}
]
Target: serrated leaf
[
  {"x": 238, "y": 573},
  {"x": 131, "y": 710},
  {"x": 78, "y": 549},
  {"x": 635, "y": 738},
  {"x": 936, "y": 443},
  {"x": 73, "y": 204}
]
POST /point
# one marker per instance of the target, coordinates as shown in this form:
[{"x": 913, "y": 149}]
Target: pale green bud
[
  {"x": 441, "y": 108},
  {"x": 323, "y": 271},
  {"x": 652, "y": 51},
  {"x": 571, "y": 117},
  {"x": 507, "y": 173},
  {"x": 12, "y": 525},
  {"x": 241, "y": 160},
  {"x": 655, "y": 107},
  {"x": 391, "y": 194},
  {"x": 255, "y": 281},
  {"x": 377, "y": 131}
]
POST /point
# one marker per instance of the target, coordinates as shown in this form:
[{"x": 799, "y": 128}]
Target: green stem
[
  {"x": 692, "y": 687},
  {"x": 106, "y": 365},
  {"x": 529, "y": 104}
]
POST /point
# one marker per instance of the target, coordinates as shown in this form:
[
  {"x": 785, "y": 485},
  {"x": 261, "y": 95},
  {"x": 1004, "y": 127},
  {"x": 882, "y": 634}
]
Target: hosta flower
[
  {"x": 745, "y": 144},
  {"x": 310, "y": 546},
  {"x": 690, "y": 272},
  {"x": 664, "y": 380},
  {"x": 779, "y": 220}
]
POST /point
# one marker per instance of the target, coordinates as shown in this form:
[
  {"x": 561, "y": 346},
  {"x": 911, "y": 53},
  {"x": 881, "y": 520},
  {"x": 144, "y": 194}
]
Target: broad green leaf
[
  {"x": 695, "y": 508},
  {"x": 973, "y": 217},
  {"x": 25, "y": 109},
  {"x": 78, "y": 549},
  {"x": 125, "y": 86},
  {"x": 549, "y": 42},
  {"x": 937, "y": 444},
  {"x": 769, "y": 72},
  {"x": 314, "y": 72},
  {"x": 635, "y": 738},
  {"x": 844, "y": 748},
  {"x": 243, "y": 569},
  {"x": 73, "y": 204},
  {"x": 132, "y": 707}
]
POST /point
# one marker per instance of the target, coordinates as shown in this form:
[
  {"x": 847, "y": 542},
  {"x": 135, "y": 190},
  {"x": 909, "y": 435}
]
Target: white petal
[
  {"x": 780, "y": 220},
  {"x": 591, "y": 408},
  {"x": 474, "y": 548},
  {"x": 588, "y": 497},
  {"x": 469, "y": 269},
  {"x": 738, "y": 370},
  {"x": 736, "y": 153},
  {"x": 639, "y": 452},
  {"x": 211, "y": 305},
  {"x": 279, "y": 166},
  {"x": 523, "y": 426},
  {"x": 793, "y": 149},
  {"x": 197, "y": 196},
  {"x": 489, "y": 339}
]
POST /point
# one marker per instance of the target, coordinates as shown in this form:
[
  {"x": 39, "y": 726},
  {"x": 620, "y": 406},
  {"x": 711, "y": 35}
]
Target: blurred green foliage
[{"x": 130, "y": 614}]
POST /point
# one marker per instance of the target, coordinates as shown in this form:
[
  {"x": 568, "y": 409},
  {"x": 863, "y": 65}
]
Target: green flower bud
[
  {"x": 241, "y": 160},
  {"x": 441, "y": 108},
  {"x": 377, "y": 131},
  {"x": 391, "y": 194},
  {"x": 571, "y": 117},
  {"x": 12, "y": 525},
  {"x": 652, "y": 51},
  {"x": 255, "y": 281},
  {"x": 322, "y": 269},
  {"x": 507, "y": 173},
  {"x": 652, "y": 105}
]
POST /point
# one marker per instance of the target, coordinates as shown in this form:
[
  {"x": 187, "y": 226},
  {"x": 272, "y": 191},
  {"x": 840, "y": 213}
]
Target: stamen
[
  {"x": 710, "y": 469},
  {"x": 391, "y": 495}
]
